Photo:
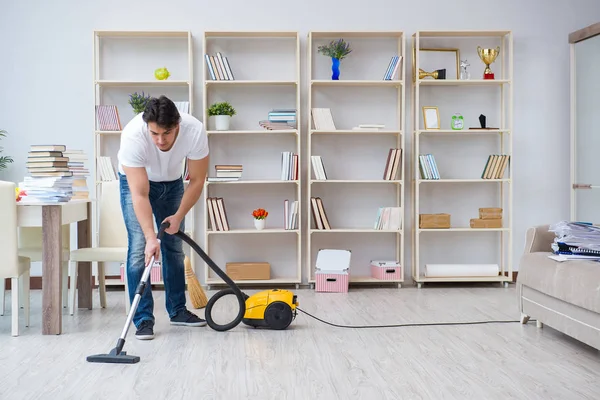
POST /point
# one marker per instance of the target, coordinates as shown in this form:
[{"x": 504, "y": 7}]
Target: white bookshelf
[
  {"x": 355, "y": 160},
  {"x": 461, "y": 155},
  {"x": 266, "y": 76},
  {"x": 124, "y": 63}
]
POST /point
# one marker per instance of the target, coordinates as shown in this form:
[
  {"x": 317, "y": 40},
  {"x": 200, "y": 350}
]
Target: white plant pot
[
  {"x": 222, "y": 122},
  {"x": 259, "y": 224}
]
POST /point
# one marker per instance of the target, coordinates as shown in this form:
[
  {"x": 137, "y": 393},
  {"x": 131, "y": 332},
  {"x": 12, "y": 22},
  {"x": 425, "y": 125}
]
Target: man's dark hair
[{"x": 161, "y": 111}]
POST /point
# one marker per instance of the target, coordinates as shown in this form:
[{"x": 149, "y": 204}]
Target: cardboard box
[
  {"x": 332, "y": 274},
  {"x": 486, "y": 223},
  {"x": 490, "y": 213},
  {"x": 386, "y": 270},
  {"x": 434, "y": 221},
  {"x": 248, "y": 270}
]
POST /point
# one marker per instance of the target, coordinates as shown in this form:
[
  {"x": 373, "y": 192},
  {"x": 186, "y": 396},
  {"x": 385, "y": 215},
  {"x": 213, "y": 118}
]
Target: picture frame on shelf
[
  {"x": 431, "y": 118},
  {"x": 438, "y": 59}
]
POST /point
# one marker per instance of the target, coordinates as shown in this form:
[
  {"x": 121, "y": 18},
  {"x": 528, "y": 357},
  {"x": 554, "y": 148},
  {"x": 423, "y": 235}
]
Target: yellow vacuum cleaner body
[{"x": 273, "y": 309}]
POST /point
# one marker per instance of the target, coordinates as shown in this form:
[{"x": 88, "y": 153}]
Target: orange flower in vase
[{"x": 260, "y": 216}]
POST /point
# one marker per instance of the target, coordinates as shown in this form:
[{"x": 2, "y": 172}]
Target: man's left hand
[{"x": 174, "y": 223}]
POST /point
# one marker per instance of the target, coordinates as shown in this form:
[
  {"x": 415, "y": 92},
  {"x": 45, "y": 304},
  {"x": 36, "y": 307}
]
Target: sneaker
[
  {"x": 185, "y": 317},
  {"x": 145, "y": 331}
]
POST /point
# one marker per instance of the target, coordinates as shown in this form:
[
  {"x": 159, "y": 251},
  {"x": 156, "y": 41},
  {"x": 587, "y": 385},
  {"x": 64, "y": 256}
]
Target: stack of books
[
  {"x": 50, "y": 179},
  {"x": 76, "y": 164},
  {"x": 280, "y": 119},
  {"x": 226, "y": 173}
]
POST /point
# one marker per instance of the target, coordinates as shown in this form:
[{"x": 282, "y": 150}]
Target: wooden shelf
[
  {"x": 356, "y": 132},
  {"x": 354, "y": 230},
  {"x": 252, "y": 83},
  {"x": 254, "y": 182},
  {"x": 378, "y": 181},
  {"x": 111, "y": 83},
  {"x": 252, "y": 231},
  {"x": 426, "y": 195},
  {"x": 383, "y": 83},
  {"x": 255, "y": 132}
]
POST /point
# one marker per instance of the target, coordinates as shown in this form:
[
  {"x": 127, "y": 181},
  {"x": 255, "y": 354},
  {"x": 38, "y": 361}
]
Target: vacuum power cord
[{"x": 410, "y": 323}]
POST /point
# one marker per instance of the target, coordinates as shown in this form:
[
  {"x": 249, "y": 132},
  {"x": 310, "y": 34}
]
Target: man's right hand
[{"x": 152, "y": 249}]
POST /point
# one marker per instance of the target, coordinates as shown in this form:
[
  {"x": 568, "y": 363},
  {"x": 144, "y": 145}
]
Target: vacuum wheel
[{"x": 278, "y": 315}]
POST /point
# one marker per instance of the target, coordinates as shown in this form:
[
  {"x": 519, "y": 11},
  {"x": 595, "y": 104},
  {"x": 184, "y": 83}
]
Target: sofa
[{"x": 563, "y": 295}]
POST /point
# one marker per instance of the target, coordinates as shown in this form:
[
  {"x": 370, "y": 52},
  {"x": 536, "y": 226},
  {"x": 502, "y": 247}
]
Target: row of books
[
  {"x": 319, "y": 214},
  {"x": 389, "y": 218},
  {"x": 289, "y": 166},
  {"x": 495, "y": 166},
  {"x": 392, "y": 164},
  {"x": 280, "y": 119},
  {"x": 217, "y": 214},
  {"x": 290, "y": 214},
  {"x": 428, "y": 167},
  {"x": 218, "y": 67},
  {"x": 108, "y": 119},
  {"x": 392, "y": 68}
]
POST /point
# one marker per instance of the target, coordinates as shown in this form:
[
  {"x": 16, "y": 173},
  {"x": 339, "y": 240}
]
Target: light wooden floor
[{"x": 310, "y": 360}]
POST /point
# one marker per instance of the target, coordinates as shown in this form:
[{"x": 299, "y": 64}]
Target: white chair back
[
  {"x": 9, "y": 267},
  {"x": 112, "y": 231}
]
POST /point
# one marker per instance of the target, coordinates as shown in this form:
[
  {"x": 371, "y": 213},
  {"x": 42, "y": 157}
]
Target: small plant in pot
[
  {"x": 222, "y": 113},
  {"x": 337, "y": 50},
  {"x": 260, "y": 216},
  {"x": 138, "y": 102},
  {"x": 4, "y": 160}
]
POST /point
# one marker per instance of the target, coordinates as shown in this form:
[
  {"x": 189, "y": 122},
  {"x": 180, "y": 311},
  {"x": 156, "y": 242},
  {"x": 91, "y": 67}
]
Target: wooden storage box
[
  {"x": 248, "y": 270},
  {"x": 486, "y": 223},
  {"x": 434, "y": 221},
  {"x": 332, "y": 271},
  {"x": 490, "y": 213},
  {"x": 386, "y": 270}
]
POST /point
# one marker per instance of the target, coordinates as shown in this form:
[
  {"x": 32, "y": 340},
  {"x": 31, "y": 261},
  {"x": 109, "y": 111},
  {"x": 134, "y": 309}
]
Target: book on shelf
[
  {"x": 226, "y": 173},
  {"x": 369, "y": 127},
  {"x": 392, "y": 68},
  {"x": 183, "y": 106},
  {"x": 495, "y": 166},
  {"x": 219, "y": 68},
  {"x": 389, "y": 218},
  {"x": 49, "y": 180},
  {"x": 393, "y": 164},
  {"x": 290, "y": 214},
  {"x": 217, "y": 214},
  {"x": 428, "y": 167},
  {"x": 289, "y": 166},
  {"x": 319, "y": 214},
  {"x": 105, "y": 169},
  {"x": 322, "y": 119},
  {"x": 318, "y": 168},
  {"x": 107, "y": 118}
]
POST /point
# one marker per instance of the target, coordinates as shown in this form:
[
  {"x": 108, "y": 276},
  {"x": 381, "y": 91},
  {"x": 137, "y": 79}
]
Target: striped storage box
[
  {"x": 155, "y": 272},
  {"x": 332, "y": 271},
  {"x": 386, "y": 270}
]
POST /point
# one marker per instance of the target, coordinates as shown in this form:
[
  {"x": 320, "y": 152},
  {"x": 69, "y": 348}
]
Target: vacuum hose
[{"x": 233, "y": 289}]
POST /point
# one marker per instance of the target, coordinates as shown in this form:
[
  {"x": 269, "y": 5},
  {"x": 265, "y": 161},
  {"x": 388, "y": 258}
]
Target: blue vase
[{"x": 335, "y": 68}]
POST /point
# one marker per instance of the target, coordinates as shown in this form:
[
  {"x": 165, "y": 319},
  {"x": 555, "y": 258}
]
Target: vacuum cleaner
[{"x": 271, "y": 309}]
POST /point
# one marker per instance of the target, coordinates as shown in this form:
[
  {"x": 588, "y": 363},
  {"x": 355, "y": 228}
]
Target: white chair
[
  {"x": 112, "y": 241},
  {"x": 12, "y": 266}
]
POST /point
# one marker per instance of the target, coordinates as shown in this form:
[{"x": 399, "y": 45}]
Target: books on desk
[{"x": 50, "y": 180}]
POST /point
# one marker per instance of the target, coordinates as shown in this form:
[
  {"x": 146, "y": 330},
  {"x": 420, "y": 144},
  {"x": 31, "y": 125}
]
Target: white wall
[{"x": 46, "y": 71}]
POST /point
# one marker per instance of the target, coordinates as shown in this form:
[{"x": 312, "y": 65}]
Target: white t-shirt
[{"x": 138, "y": 150}]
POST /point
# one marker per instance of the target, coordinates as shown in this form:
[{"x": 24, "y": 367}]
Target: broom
[{"x": 197, "y": 294}]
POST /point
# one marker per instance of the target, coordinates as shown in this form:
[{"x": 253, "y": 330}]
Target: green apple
[{"x": 161, "y": 73}]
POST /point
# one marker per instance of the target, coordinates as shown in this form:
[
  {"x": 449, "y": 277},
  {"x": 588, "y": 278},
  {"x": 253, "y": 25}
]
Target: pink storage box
[
  {"x": 332, "y": 271},
  {"x": 155, "y": 272},
  {"x": 386, "y": 270}
]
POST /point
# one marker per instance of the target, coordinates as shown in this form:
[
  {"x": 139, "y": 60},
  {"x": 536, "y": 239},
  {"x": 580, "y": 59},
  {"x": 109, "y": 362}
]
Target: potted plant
[
  {"x": 138, "y": 102},
  {"x": 4, "y": 160},
  {"x": 260, "y": 216},
  {"x": 222, "y": 113},
  {"x": 337, "y": 50}
]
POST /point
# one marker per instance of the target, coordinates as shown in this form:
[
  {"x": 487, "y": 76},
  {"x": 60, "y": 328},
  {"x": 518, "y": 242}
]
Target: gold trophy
[
  {"x": 488, "y": 56},
  {"x": 437, "y": 74}
]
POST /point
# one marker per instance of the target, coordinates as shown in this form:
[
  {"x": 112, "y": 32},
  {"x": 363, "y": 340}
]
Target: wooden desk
[{"x": 51, "y": 217}]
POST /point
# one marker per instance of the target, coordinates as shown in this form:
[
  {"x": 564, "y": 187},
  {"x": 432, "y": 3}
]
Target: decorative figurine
[
  {"x": 464, "y": 74},
  {"x": 458, "y": 122}
]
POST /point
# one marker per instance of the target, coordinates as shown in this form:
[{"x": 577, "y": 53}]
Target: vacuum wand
[{"x": 117, "y": 355}]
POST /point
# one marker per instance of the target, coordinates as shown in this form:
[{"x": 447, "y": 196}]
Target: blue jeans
[{"x": 165, "y": 198}]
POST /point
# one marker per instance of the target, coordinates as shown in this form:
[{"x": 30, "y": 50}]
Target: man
[{"x": 153, "y": 148}]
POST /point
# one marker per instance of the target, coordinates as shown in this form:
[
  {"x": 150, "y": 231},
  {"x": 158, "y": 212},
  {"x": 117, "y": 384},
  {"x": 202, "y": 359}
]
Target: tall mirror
[{"x": 585, "y": 124}]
